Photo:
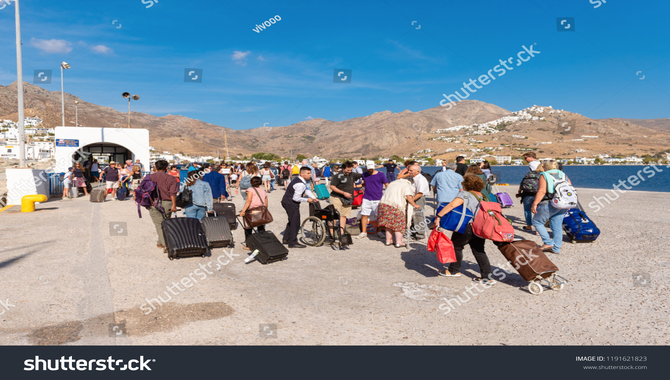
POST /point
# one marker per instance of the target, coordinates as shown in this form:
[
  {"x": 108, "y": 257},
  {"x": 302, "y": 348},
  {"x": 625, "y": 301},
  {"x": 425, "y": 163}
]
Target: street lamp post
[
  {"x": 63, "y": 66},
  {"x": 127, "y": 96},
  {"x": 76, "y": 113},
  {"x": 19, "y": 87}
]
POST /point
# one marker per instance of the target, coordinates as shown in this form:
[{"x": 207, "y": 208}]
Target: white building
[{"x": 104, "y": 144}]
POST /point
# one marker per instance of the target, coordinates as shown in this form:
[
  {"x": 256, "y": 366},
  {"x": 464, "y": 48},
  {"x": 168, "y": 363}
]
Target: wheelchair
[{"x": 315, "y": 229}]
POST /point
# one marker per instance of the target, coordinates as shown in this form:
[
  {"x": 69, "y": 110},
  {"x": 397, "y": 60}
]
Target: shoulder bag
[{"x": 257, "y": 216}]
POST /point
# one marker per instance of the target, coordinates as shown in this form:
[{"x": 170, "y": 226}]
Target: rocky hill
[{"x": 384, "y": 133}]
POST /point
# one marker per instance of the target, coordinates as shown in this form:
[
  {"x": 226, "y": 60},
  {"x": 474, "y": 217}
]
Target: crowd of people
[{"x": 395, "y": 202}]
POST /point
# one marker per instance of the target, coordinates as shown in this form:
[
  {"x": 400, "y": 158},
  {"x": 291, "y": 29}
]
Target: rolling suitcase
[
  {"x": 503, "y": 198},
  {"x": 121, "y": 194},
  {"x": 531, "y": 264},
  {"x": 217, "y": 231},
  {"x": 226, "y": 209},
  {"x": 184, "y": 237},
  {"x": 321, "y": 191},
  {"x": 270, "y": 249},
  {"x": 579, "y": 227},
  {"x": 97, "y": 195}
]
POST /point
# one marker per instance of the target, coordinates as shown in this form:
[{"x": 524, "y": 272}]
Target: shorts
[
  {"x": 67, "y": 183},
  {"x": 266, "y": 177},
  {"x": 369, "y": 208},
  {"x": 111, "y": 185},
  {"x": 233, "y": 181},
  {"x": 344, "y": 211}
]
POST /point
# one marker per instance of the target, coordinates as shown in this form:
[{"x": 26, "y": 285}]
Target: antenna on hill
[{"x": 225, "y": 140}]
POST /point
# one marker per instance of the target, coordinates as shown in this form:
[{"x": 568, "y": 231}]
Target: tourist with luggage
[
  {"x": 474, "y": 169},
  {"x": 296, "y": 192},
  {"x": 79, "y": 179},
  {"x": 135, "y": 179},
  {"x": 390, "y": 171},
  {"x": 528, "y": 188},
  {"x": 421, "y": 190},
  {"x": 167, "y": 190},
  {"x": 472, "y": 186},
  {"x": 266, "y": 177},
  {"x": 530, "y": 157},
  {"x": 447, "y": 184},
  {"x": 111, "y": 174},
  {"x": 286, "y": 174},
  {"x": 217, "y": 183},
  {"x": 342, "y": 192},
  {"x": 273, "y": 176},
  {"x": 256, "y": 197},
  {"x": 295, "y": 170},
  {"x": 393, "y": 214},
  {"x": 544, "y": 210},
  {"x": 375, "y": 182},
  {"x": 201, "y": 195},
  {"x": 461, "y": 166}
]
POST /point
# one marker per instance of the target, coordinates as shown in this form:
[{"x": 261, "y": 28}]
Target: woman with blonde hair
[{"x": 544, "y": 210}]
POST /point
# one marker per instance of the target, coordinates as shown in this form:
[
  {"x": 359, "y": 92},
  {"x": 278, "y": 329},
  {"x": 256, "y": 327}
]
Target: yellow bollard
[{"x": 28, "y": 202}]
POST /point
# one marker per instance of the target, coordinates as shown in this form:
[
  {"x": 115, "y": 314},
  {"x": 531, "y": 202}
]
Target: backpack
[
  {"x": 245, "y": 182},
  {"x": 564, "y": 195},
  {"x": 489, "y": 222},
  {"x": 285, "y": 173},
  {"x": 147, "y": 195},
  {"x": 531, "y": 182}
]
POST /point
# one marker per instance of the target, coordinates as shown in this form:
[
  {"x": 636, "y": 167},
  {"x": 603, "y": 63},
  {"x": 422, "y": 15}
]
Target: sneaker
[
  {"x": 381, "y": 235},
  {"x": 485, "y": 281},
  {"x": 362, "y": 235},
  {"x": 446, "y": 273}
]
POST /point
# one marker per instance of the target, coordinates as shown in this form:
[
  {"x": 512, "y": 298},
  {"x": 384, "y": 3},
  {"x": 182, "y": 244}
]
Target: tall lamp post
[
  {"x": 19, "y": 87},
  {"x": 63, "y": 66},
  {"x": 127, "y": 96},
  {"x": 76, "y": 113}
]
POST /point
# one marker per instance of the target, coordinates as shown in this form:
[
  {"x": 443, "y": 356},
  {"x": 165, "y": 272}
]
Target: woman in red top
[{"x": 174, "y": 172}]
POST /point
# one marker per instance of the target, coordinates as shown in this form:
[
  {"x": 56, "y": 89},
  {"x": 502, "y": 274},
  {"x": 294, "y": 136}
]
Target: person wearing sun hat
[{"x": 374, "y": 182}]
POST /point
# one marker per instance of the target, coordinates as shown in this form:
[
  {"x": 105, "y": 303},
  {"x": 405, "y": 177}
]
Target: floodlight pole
[{"x": 19, "y": 87}]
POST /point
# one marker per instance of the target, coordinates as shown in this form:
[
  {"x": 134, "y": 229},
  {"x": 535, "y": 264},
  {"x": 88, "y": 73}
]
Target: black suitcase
[
  {"x": 217, "y": 231},
  {"x": 270, "y": 249},
  {"x": 184, "y": 237},
  {"x": 226, "y": 209}
]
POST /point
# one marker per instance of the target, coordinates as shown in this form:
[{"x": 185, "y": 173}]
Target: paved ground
[{"x": 79, "y": 273}]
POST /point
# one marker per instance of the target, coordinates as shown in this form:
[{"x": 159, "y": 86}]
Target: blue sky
[{"x": 284, "y": 73}]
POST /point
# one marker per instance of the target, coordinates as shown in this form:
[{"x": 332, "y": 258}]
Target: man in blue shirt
[
  {"x": 217, "y": 182},
  {"x": 447, "y": 184}
]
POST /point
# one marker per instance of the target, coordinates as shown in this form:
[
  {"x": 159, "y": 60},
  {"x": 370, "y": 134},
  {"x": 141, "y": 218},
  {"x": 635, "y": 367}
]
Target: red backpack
[{"x": 489, "y": 222}]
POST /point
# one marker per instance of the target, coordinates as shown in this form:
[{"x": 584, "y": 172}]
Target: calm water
[{"x": 595, "y": 177}]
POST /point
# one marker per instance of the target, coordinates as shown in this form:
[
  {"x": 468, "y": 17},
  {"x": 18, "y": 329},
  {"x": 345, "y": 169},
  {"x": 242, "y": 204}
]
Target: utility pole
[{"x": 225, "y": 139}]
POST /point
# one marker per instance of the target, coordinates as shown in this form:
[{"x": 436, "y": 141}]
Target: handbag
[
  {"x": 184, "y": 198},
  {"x": 443, "y": 247},
  {"x": 457, "y": 219},
  {"x": 257, "y": 216}
]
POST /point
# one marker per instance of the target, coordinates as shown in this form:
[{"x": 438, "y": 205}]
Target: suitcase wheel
[
  {"x": 573, "y": 241},
  {"x": 535, "y": 288}
]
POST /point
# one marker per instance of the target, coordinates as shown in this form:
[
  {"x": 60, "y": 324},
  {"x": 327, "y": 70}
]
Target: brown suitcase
[{"x": 528, "y": 259}]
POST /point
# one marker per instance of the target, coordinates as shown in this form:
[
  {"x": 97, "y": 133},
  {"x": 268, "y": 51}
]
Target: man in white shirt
[
  {"x": 297, "y": 191},
  {"x": 421, "y": 190}
]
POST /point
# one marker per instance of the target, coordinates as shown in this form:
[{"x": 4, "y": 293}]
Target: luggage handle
[{"x": 212, "y": 212}]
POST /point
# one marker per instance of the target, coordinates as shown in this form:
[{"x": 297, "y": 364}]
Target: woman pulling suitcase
[{"x": 472, "y": 183}]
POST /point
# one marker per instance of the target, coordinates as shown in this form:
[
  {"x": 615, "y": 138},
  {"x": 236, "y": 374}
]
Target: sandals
[
  {"x": 547, "y": 248},
  {"x": 388, "y": 243}
]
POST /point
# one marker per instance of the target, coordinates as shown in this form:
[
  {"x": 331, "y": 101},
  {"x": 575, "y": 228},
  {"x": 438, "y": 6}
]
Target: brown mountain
[{"x": 382, "y": 133}]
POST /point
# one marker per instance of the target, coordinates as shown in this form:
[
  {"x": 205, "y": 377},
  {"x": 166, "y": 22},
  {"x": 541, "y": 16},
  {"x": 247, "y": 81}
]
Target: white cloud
[
  {"x": 102, "y": 49},
  {"x": 260, "y": 57},
  {"x": 309, "y": 118},
  {"x": 51, "y": 46},
  {"x": 240, "y": 57}
]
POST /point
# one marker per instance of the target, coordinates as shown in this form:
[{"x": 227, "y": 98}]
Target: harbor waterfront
[{"x": 588, "y": 176}]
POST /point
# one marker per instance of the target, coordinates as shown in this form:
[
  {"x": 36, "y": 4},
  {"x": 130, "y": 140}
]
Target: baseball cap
[
  {"x": 370, "y": 165},
  {"x": 533, "y": 165}
]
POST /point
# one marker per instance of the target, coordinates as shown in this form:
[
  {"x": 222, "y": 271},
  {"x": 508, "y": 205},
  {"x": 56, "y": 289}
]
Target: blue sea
[{"x": 594, "y": 177}]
